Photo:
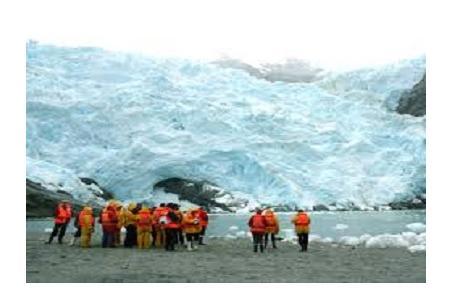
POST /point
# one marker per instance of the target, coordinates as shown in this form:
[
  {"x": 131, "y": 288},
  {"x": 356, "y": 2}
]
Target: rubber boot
[
  {"x": 261, "y": 248},
  {"x": 274, "y": 245},
  {"x": 72, "y": 242},
  {"x": 200, "y": 241},
  {"x": 49, "y": 241},
  {"x": 255, "y": 248},
  {"x": 189, "y": 246}
]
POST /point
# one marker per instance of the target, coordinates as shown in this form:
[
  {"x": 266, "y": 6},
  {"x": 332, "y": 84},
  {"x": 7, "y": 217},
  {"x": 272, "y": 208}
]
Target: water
[{"x": 323, "y": 223}]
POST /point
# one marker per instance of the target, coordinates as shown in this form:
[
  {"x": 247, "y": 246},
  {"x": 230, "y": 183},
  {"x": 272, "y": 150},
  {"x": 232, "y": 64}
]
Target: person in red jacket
[
  {"x": 257, "y": 224},
  {"x": 171, "y": 227},
  {"x": 62, "y": 218},
  {"x": 109, "y": 220},
  {"x": 204, "y": 220}
]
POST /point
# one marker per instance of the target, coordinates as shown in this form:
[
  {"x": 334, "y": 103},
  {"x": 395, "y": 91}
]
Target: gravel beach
[{"x": 229, "y": 261}]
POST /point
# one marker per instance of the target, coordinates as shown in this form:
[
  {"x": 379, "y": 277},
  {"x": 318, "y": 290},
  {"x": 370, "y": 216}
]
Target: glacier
[{"x": 130, "y": 121}]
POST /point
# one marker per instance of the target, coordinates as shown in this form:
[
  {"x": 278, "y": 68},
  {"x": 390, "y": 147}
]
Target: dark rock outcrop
[
  {"x": 193, "y": 191},
  {"x": 320, "y": 207},
  {"x": 106, "y": 195},
  {"x": 416, "y": 203},
  {"x": 413, "y": 102},
  {"x": 41, "y": 202}
]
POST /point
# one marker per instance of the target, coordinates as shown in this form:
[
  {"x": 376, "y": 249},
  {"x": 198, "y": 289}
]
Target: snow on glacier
[{"x": 129, "y": 121}]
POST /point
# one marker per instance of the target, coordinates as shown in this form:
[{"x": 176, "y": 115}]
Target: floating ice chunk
[
  {"x": 48, "y": 230},
  {"x": 241, "y": 234},
  {"x": 384, "y": 208},
  {"x": 233, "y": 228},
  {"x": 417, "y": 248},
  {"x": 349, "y": 241},
  {"x": 327, "y": 240},
  {"x": 286, "y": 233},
  {"x": 315, "y": 238},
  {"x": 229, "y": 236},
  {"x": 364, "y": 238},
  {"x": 387, "y": 241},
  {"x": 416, "y": 227},
  {"x": 340, "y": 227},
  {"x": 249, "y": 234}
]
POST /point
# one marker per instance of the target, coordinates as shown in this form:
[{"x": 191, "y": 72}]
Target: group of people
[
  {"x": 265, "y": 224},
  {"x": 165, "y": 226}
]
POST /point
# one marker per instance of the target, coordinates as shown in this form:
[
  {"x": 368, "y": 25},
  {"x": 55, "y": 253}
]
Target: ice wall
[{"x": 129, "y": 121}]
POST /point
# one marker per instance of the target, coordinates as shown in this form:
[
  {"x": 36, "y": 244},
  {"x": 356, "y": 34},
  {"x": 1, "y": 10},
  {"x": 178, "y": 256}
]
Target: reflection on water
[{"x": 323, "y": 223}]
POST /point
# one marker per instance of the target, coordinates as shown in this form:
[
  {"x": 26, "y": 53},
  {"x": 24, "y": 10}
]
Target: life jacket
[
  {"x": 172, "y": 223},
  {"x": 106, "y": 218},
  {"x": 258, "y": 223},
  {"x": 270, "y": 219},
  {"x": 62, "y": 215},
  {"x": 191, "y": 224},
  {"x": 86, "y": 219},
  {"x": 203, "y": 218},
  {"x": 69, "y": 211},
  {"x": 144, "y": 218},
  {"x": 302, "y": 220}
]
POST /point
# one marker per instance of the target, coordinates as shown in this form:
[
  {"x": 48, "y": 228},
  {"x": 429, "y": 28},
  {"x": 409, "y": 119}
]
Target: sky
[{"x": 333, "y": 34}]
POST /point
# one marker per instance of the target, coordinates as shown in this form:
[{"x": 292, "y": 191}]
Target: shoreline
[{"x": 222, "y": 261}]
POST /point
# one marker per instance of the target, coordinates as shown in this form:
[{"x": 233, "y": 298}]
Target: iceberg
[{"x": 130, "y": 121}]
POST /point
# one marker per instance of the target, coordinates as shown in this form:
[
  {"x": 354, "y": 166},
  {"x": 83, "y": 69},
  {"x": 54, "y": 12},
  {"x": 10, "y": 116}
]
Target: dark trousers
[
  {"x": 60, "y": 230},
  {"x": 78, "y": 233},
  {"x": 131, "y": 236},
  {"x": 180, "y": 236},
  {"x": 154, "y": 235},
  {"x": 108, "y": 239},
  {"x": 202, "y": 233},
  {"x": 171, "y": 239},
  {"x": 258, "y": 240},
  {"x": 190, "y": 237},
  {"x": 266, "y": 239},
  {"x": 303, "y": 241}
]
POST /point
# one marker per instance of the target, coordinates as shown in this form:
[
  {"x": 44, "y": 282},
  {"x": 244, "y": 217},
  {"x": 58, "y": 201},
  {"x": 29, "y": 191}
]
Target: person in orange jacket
[
  {"x": 257, "y": 224},
  {"x": 301, "y": 223},
  {"x": 144, "y": 224},
  {"x": 86, "y": 223},
  {"x": 109, "y": 220},
  {"x": 160, "y": 219},
  {"x": 204, "y": 220},
  {"x": 63, "y": 214},
  {"x": 191, "y": 227},
  {"x": 272, "y": 227}
]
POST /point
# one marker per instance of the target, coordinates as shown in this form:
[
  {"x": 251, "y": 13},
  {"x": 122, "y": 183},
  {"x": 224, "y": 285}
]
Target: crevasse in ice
[{"x": 129, "y": 121}]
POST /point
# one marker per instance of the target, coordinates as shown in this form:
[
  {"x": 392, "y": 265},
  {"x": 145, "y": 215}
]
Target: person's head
[
  {"x": 162, "y": 205},
  {"x": 258, "y": 211},
  {"x": 300, "y": 210}
]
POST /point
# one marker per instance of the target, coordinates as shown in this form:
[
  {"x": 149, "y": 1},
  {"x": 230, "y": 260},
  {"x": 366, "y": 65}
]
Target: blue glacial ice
[{"x": 129, "y": 121}]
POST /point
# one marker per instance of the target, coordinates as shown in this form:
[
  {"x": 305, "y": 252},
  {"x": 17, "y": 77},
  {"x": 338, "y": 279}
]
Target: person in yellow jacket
[
  {"x": 272, "y": 227},
  {"x": 301, "y": 223},
  {"x": 86, "y": 223},
  {"x": 191, "y": 227},
  {"x": 144, "y": 223},
  {"x": 130, "y": 223}
]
